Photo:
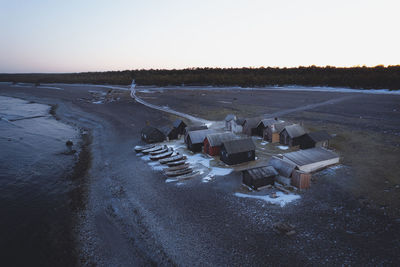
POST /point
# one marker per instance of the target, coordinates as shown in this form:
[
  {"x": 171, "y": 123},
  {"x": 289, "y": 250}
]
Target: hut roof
[
  {"x": 294, "y": 130},
  {"x": 239, "y": 145},
  {"x": 230, "y": 117},
  {"x": 251, "y": 122},
  {"x": 261, "y": 172},
  {"x": 198, "y": 136},
  {"x": 309, "y": 156},
  {"x": 240, "y": 121},
  {"x": 216, "y": 139},
  {"x": 167, "y": 129},
  {"x": 319, "y": 136},
  {"x": 196, "y": 128},
  {"x": 266, "y": 122},
  {"x": 178, "y": 122},
  {"x": 284, "y": 168},
  {"x": 148, "y": 130},
  {"x": 278, "y": 127}
]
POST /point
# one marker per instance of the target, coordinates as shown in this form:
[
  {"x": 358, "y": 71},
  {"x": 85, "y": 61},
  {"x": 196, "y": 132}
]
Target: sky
[{"x": 97, "y": 35}]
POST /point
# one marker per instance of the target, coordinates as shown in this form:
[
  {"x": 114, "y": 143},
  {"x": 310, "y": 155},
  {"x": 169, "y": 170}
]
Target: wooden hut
[
  {"x": 291, "y": 135},
  {"x": 250, "y": 126},
  {"x": 285, "y": 169},
  {"x": 213, "y": 142},
  {"x": 300, "y": 179},
  {"x": 236, "y": 126},
  {"x": 193, "y": 128},
  {"x": 313, "y": 159},
  {"x": 263, "y": 124},
  {"x": 170, "y": 132},
  {"x": 271, "y": 132},
  {"x": 195, "y": 139},
  {"x": 315, "y": 139},
  {"x": 151, "y": 134},
  {"x": 228, "y": 121},
  {"x": 180, "y": 126},
  {"x": 259, "y": 177},
  {"x": 238, "y": 151}
]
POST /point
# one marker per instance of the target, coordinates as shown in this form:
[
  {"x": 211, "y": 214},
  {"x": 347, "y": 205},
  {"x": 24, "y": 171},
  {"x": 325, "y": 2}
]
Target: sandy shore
[{"x": 132, "y": 217}]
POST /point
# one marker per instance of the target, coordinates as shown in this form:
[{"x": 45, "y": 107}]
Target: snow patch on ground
[
  {"x": 146, "y": 91},
  {"x": 264, "y": 143},
  {"x": 98, "y": 102},
  {"x": 283, "y": 147},
  {"x": 282, "y": 199}
]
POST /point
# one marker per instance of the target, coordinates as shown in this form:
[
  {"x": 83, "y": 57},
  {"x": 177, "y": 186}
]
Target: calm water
[{"x": 36, "y": 221}]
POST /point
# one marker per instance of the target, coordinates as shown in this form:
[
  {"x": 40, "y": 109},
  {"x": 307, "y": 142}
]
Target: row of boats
[{"x": 177, "y": 166}]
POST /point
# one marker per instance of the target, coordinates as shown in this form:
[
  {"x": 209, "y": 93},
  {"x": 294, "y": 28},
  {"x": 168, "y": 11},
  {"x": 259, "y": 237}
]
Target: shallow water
[{"x": 36, "y": 221}]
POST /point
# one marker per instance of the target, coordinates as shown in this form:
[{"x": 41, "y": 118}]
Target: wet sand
[{"x": 132, "y": 217}]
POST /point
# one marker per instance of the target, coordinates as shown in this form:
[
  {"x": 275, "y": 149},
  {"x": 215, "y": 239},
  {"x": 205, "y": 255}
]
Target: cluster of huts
[
  {"x": 275, "y": 130},
  {"x": 235, "y": 146}
]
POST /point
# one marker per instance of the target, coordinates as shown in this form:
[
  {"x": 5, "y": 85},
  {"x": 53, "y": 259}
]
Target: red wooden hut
[{"x": 213, "y": 142}]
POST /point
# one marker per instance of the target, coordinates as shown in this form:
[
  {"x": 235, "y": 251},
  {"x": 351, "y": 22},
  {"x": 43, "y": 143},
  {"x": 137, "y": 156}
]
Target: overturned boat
[
  {"x": 139, "y": 149},
  {"x": 179, "y": 172},
  {"x": 156, "y": 148},
  {"x": 172, "y": 159},
  {"x": 166, "y": 154},
  {"x": 176, "y": 163},
  {"x": 179, "y": 167}
]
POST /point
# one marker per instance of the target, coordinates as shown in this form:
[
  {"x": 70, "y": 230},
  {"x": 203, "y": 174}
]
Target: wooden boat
[
  {"x": 173, "y": 158},
  {"x": 162, "y": 155},
  {"x": 156, "y": 148},
  {"x": 179, "y": 172},
  {"x": 176, "y": 163},
  {"x": 187, "y": 176},
  {"x": 179, "y": 167},
  {"x": 166, "y": 149},
  {"x": 141, "y": 148}
]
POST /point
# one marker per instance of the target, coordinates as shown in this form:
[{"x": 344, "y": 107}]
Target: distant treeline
[{"x": 378, "y": 77}]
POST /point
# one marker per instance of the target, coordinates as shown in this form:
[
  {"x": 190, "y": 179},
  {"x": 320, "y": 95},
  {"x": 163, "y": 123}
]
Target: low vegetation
[{"x": 378, "y": 77}]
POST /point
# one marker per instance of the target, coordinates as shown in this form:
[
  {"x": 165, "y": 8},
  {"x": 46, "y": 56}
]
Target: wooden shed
[
  {"x": 250, "y": 126},
  {"x": 213, "y": 142},
  {"x": 236, "y": 126},
  {"x": 238, "y": 151},
  {"x": 291, "y": 135},
  {"x": 180, "y": 126},
  {"x": 259, "y": 177},
  {"x": 228, "y": 121},
  {"x": 263, "y": 124},
  {"x": 170, "y": 132},
  {"x": 195, "y": 139},
  {"x": 300, "y": 179},
  {"x": 313, "y": 159},
  {"x": 151, "y": 134},
  {"x": 315, "y": 139},
  {"x": 193, "y": 128},
  {"x": 271, "y": 132}
]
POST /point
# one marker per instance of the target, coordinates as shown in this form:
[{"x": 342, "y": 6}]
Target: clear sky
[{"x": 97, "y": 35}]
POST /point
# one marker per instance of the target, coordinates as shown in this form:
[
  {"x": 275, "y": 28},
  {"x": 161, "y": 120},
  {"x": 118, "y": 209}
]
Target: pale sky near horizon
[{"x": 97, "y": 35}]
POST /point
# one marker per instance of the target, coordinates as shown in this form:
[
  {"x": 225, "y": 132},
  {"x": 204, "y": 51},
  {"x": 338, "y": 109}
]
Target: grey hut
[
  {"x": 285, "y": 169},
  {"x": 315, "y": 139},
  {"x": 259, "y": 177},
  {"x": 193, "y": 128},
  {"x": 291, "y": 135},
  {"x": 250, "y": 126},
  {"x": 151, "y": 134},
  {"x": 228, "y": 121},
  {"x": 170, "y": 132},
  {"x": 195, "y": 139},
  {"x": 271, "y": 132},
  {"x": 238, "y": 151},
  {"x": 180, "y": 126},
  {"x": 263, "y": 124}
]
